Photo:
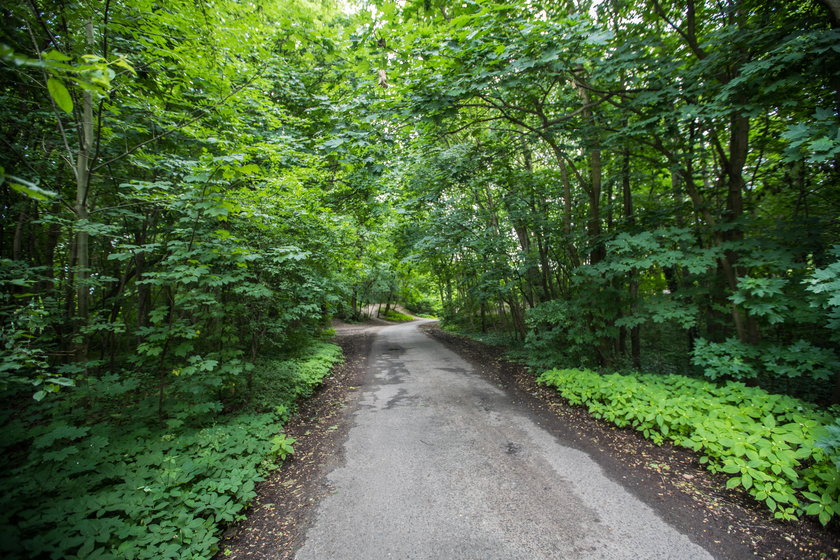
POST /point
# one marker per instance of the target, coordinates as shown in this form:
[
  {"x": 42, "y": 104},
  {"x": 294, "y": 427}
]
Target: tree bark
[
  {"x": 834, "y": 6},
  {"x": 17, "y": 241},
  {"x": 83, "y": 165},
  {"x": 593, "y": 226},
  {"x": 633, "y": 288}
]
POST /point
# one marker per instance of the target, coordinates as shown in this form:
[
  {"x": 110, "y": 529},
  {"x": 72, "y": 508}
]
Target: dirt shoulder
[
  {"x": 283, "y": 509},
  {"x": 667, "y": 478}
]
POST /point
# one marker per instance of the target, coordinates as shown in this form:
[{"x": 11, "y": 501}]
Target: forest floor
[{"x": 668, "y": 479}]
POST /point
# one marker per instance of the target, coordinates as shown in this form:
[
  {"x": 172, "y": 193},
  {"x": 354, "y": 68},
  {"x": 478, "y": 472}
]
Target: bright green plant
[
  {"x": 735, "y": 360},
  {"x": 829, "y": 441},
  {"x": 281, "y": 446},
  {"x": 133, "y": 488},
  {"x": 729, "y": 359},
  {"x": 824, "y": 283},
  {"x": 766, "y": 442},
  {"x": 398, "y": 317}
]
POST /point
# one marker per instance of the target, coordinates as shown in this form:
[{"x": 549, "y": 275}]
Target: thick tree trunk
[
  {"x": 567, "y": 205},
  {"x": 834, "y": 6},
  {"x": 593, "y": 226},
  {"x": 734, "y": 168}
]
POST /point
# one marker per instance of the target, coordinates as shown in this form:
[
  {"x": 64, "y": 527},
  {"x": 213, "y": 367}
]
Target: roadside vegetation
[
  {"x": 398, "y": 317},
  {"x": 643, "y": 186},
  {"x": 124, "y": 484},
  {"x": 767, "y": 444}
]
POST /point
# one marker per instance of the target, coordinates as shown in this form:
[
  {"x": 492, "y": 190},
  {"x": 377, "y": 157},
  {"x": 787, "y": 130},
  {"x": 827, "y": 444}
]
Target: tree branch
[
  {"x": 690, "y": 37},
  {"x": 180, "y": 126}
]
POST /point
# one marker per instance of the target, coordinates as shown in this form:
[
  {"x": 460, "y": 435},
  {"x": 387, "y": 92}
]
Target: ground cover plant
[
  {"x": 125, "y": 486},
  {"x": 766, "y": 444},
  {"x": 398, "y": 317}
]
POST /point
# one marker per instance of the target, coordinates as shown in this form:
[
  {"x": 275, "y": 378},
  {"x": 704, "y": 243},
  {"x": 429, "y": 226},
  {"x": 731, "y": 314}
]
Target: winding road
[{"x": 442, "y": 464}]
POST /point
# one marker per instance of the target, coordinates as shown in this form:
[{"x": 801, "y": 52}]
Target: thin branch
[
  {"x": 502, "y": 105},
  {"x": 576, "y": 112},
  {"x": 102, "y": 101},
  {"x": 690, "y": 38},
  {"x": 472, "y": 123},
  {"x": 43, "y": 25},
  {"x": 204, "y": 112},
  {"x": 61, "y": 130}
]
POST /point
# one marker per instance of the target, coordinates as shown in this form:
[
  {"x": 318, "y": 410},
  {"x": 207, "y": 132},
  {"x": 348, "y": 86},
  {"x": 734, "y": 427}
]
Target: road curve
[{"x": 440, "y": 464}]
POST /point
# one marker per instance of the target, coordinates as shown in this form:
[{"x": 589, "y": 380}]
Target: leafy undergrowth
[
  {"x": 126, "y": 486},
  {"x": 491, "y": 338},
  {"x": 765, "y": 442},
  {"x": 398, "y": 317}
]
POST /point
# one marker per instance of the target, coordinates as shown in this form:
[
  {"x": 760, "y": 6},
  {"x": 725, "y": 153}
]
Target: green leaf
[
  {"x": 56, "y": 55},
  {"x": 824, "y": 517},
  {"x": 813, "y": 509},
  {"x": 600, "y": 37},
  {"x": 811, "y": 496},
  {"x": 747, "y": 481},
  {"x": 30, "y": 189},
  {"x": 731, "y": 468},
  {"x": 60, "y": 95},
  {"x": 821, "y": 144}
]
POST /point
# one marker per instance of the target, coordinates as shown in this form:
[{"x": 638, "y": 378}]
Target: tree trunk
[
  {"x": 567, "y": 204},
  {"x": 733, "y": 168},
  {"x": 83, "y": 166},
  {"x": 633, "y": 288},
  {"x": 593, "y": 226},
  {"x": 834, "y": 6}
]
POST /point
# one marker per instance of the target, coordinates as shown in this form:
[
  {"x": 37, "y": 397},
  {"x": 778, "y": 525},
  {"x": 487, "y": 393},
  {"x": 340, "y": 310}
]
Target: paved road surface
[{"x": 440, "y": 464}]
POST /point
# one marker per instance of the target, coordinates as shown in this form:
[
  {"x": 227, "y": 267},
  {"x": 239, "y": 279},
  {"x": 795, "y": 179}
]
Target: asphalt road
[{"x": 441, "y": 464}]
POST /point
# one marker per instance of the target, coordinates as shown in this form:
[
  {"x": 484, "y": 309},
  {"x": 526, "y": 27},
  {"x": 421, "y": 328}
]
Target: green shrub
[
  {"x": 398, "y": 317},
  {"x": 829, "y": 441},
  {"x": 556, "y": 337},
  {"x": 423, "y": 306},
  {"x": 733, "y": 359},
  {"x": 127, "y": 486},
  {"x": 284, "y": 382},
  {"x": 766, "y": 442}
]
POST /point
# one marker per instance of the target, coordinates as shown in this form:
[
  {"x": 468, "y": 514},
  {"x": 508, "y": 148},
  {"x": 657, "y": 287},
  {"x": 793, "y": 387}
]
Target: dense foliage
[
  {"x": 619, "y": 181},
  {"x": 766, "y": 441},
  {"x": 644, "y": 185},
  {"x": 129, "y": 487},
  {"x": 177, "y": 228},
  {"x": 190, "y": 191}
]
